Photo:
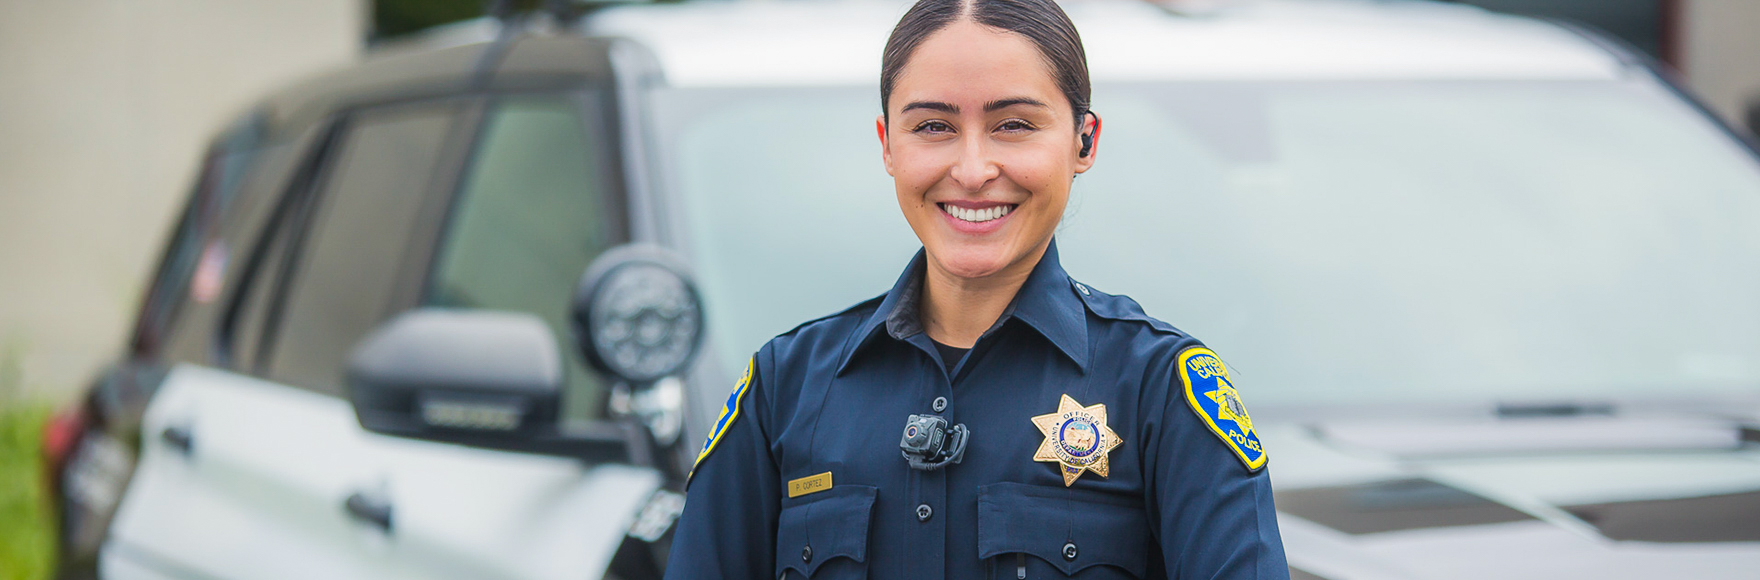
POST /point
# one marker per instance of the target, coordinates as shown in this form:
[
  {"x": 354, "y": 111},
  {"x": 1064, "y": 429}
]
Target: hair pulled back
[{"x": 1042, "y": 22}]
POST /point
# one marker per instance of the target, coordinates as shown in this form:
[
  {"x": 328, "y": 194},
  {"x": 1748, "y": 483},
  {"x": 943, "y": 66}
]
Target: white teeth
[{"x": 976, "y": 215}]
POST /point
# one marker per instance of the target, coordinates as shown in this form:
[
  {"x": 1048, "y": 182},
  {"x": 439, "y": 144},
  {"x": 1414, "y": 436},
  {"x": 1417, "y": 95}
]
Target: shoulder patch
[
  {"x": 1213, "y": 397},
  {"x": 729, "y": 412}
]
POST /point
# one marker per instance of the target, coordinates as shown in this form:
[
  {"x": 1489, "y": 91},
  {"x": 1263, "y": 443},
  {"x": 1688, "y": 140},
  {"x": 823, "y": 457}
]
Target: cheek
[
  {"x": 1043, "y": 172},
  {"x": 915, "y": 171}
]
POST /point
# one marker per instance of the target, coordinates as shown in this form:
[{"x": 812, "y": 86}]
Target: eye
[
  {"x": 932, "y": 127},
  {"x": 1015, "y": 126}
]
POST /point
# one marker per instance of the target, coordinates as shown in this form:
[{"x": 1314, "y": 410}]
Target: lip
[{"x": 975, "y": 228}]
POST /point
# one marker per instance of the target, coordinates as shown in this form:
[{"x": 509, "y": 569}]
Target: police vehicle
[{"x": 465, "y": 310}]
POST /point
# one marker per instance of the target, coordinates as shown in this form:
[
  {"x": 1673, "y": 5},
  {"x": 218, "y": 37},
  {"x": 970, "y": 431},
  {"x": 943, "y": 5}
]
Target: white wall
[
  {"x": 105, "y": 108},
  {"x": 1721, "y": 52}
]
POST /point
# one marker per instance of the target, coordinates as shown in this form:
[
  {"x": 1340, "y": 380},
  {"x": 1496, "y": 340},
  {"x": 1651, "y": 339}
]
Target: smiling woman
[
  {"x": 982, "y": 170},
  {"x": 1050, "y": 430}
]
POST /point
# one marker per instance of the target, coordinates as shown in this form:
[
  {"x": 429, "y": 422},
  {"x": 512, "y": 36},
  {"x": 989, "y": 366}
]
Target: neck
[{"x": 957, "y": 310}]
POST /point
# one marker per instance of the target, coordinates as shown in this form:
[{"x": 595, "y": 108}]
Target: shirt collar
[{"x": 1046, "y": 302}]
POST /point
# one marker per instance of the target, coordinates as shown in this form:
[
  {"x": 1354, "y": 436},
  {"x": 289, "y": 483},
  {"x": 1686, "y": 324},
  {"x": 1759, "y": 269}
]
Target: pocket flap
[
  {"x": 831, "y": 524},
  {"x": 1041, "y": 521}
]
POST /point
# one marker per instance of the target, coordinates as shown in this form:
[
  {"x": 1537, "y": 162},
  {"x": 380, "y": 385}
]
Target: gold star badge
[
  {"x": 1077, "y": 439},
  {"x": 1229, "y": 406}
]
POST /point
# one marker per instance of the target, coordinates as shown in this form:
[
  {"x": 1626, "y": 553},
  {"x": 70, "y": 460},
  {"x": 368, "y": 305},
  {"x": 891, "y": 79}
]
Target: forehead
[{"x": 970, "y": 60}]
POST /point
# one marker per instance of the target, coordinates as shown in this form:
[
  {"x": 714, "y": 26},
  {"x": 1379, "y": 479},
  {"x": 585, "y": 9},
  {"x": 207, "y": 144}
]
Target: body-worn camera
[{"x": 929, "y": 444}]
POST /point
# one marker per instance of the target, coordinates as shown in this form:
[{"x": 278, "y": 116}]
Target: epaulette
[
  {"x": 1119, "y": 307},
  {"x": 869, "y": 303}
]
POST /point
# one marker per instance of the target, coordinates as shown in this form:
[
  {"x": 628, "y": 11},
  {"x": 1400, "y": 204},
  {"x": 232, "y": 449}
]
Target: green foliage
[
  {"x": 26, "y": 538},
  {"x": 399, "y": 17}
]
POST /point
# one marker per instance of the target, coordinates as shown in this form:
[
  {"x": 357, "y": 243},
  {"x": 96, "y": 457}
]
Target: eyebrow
[
  {"x": 989, "y": 107},
  {"x": 1000, "y": 104},
  {"x": 948, "y": 108}
]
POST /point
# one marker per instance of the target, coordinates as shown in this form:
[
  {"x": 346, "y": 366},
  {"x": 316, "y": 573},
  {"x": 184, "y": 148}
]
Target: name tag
[{"x": 809, "y": 484}]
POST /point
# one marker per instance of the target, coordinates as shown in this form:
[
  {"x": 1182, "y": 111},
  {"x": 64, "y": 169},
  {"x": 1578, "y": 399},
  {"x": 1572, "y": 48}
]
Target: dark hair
[{"x": 1042, "y": 22}]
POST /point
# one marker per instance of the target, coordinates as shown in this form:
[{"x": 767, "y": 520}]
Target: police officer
[{"x": 989, "y": 416}]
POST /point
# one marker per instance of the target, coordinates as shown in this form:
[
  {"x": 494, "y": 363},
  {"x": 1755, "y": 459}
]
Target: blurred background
[{"x": 106, "y": 107}]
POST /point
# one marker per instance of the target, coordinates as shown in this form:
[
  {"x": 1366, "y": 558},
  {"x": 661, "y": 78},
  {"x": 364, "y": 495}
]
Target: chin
[{"x": 973, "y": 261}]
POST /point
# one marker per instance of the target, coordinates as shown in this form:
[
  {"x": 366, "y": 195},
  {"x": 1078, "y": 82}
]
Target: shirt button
[
  {"x": 924, "y": 512},
  {"x": 939, "y": 405},
  {"x": 1069, "y": 551},
  {"x": 807, "y": 553}
]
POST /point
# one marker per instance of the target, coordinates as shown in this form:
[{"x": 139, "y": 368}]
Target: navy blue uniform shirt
[{"x": 1184, "y": 495}]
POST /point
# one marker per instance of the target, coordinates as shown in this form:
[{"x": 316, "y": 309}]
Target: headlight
[{"x": 638, "y": 315}]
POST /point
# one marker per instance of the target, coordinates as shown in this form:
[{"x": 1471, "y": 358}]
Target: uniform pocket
[
  {"x": 1030, "y": 531},
  {"x": 826, "y": 536}
]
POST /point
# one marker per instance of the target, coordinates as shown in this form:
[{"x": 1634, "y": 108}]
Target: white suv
[{"x": 1489, "y": 282}]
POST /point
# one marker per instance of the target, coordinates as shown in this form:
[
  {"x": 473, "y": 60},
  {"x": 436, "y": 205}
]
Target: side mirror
[
  {"x": 479, "y": 378},
  {"x": 457, "y": 370},
  {"x": 637, "y": 315}
]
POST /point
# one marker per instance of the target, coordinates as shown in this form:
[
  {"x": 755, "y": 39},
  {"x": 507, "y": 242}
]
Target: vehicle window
[
  {"x": 350, "y": 255},
  {"x": 749, "y": 208},
  {"x": 535, "y": 208},
  {"x": 1386, "y": 241},
  {"x": 199, "y": 310},
  {"x": 195, "y": 260},
  {"x": 245, "y": 340}
]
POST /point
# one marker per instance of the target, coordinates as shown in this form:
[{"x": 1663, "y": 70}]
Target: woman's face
[{"x": 981, "y": 147}]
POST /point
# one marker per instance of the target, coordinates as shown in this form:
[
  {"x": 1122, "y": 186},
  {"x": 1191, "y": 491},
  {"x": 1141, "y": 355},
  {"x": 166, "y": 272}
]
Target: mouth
[{"x": 977, "y": 215}]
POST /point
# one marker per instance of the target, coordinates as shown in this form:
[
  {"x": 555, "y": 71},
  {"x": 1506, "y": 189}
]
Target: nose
[{"x": 975, "y": 168}]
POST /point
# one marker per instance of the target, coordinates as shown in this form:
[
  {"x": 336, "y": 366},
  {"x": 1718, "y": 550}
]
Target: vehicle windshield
[{"x": 1335, "y": 241}]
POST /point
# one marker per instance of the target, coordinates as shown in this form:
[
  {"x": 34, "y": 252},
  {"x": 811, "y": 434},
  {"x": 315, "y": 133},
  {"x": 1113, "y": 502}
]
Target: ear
[
  {"x": 1091, "y": 128},
  {"x": 885, "y": 150}
]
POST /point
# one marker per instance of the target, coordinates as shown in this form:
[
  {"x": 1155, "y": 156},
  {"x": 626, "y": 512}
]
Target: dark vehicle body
[{"x": 338, "y": 204}]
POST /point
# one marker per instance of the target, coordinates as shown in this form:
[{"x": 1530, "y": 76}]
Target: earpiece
[{"x": 1088, "y": 138}]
